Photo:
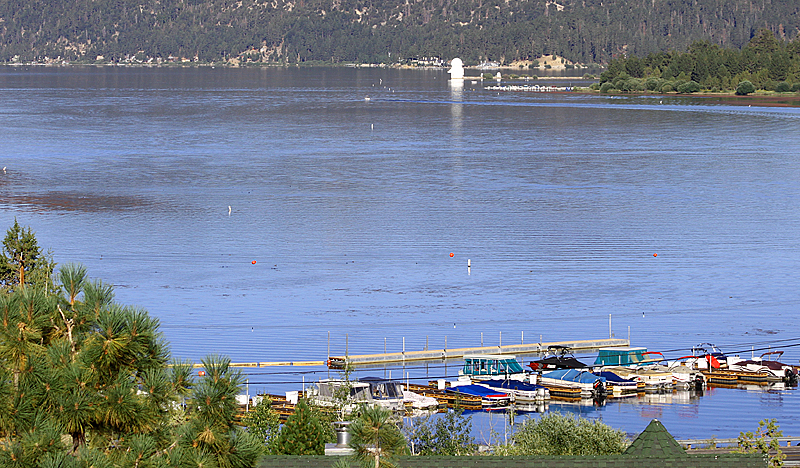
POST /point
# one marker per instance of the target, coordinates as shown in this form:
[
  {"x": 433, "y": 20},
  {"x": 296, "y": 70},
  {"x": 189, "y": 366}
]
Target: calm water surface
[{"x": 351, "y": 209}]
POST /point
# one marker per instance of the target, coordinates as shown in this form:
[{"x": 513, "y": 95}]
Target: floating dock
[{"x": 459, "y": 353}]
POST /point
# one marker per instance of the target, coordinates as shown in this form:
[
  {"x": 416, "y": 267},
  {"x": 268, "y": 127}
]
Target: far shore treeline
[
  {"x": 294, "y": 32},
  {"x": 765, "y": 63}
]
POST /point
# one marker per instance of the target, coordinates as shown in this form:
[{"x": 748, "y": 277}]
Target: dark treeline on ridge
[
  {"x": 378, "y": 31},
  {"x": 765, "y": 63}
]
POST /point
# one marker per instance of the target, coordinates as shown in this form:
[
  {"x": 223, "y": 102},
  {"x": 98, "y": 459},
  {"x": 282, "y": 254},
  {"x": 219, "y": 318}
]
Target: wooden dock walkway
[
  {"x": 439, "y": 354},
  {"x": 458, "y": 353}
]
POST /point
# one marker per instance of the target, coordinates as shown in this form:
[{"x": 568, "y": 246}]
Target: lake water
[{"x": 677, "y": 216}]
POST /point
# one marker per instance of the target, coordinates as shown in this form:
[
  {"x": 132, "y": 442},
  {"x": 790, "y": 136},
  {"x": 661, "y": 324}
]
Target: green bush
[
  {"x": 783, "y": 87},
  {"x": 689, "y": 87},
  {"x": 667, "y": 88},
  {"x": 744, "y": 88},
  {"x": 557, "y": 434},
  {"x": 653, "y": 84},
  {"x": 607, "y": 87},
  {"x": 796, "y": 87},
  {"x": 487, "y": 76},
  {"x": 620, "y": 79},
  {"x": 447, "y": 434},
  {"x": 594, "y": 86}
]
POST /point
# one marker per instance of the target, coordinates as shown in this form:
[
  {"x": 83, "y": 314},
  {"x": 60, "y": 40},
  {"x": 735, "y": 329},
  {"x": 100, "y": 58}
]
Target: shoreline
[{"x": 760, "y": 100}]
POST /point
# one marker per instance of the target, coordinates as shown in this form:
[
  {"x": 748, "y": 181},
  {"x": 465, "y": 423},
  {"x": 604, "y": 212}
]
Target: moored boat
[
  {"x": 591, "y": 385},
  {"x": 488, "y": 366},
  {"x": 489, "y": 397},
  {"x": 559, "y": 357},
  {"x": 654, "y": 380},
  {"x": 618, "y": 386},
  {"x": 522, "y": 391},
  {"x": 776, "y": 371}
]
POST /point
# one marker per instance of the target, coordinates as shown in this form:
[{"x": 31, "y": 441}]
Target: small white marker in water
[
  {"x": 372, "y": 126},
  {"x": 229, "y": 210}
]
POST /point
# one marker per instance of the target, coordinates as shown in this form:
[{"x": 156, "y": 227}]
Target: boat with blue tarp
[
  {"x": 489, "y": 397},
  {"x": 523, "y": 391},
  {"x": 591, "y": 385}
]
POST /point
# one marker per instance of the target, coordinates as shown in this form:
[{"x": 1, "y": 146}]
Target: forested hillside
[{"x": 373, "y": 31}]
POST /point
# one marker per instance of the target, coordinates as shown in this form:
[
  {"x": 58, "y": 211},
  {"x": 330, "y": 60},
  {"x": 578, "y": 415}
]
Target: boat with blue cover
[
  {"x": 489, "y": 396},
  {"x": 523, "y": 392},
  {"x": 590, "y": 385},
  {"x": 619, "y": 386}
]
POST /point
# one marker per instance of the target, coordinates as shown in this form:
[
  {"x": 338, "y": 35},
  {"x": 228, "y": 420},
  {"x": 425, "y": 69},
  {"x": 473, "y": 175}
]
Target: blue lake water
[{"x": 351, "y": 208}]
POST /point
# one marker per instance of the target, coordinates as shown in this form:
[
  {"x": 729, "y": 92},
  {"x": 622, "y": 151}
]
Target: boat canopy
[
  {"x": 557, "y": 362},
  {"x": 621, "y": 357},
  {"x": 573, "y": 375},
  {"x": 491, "y": 365},
  {"x": 329, "y": 389},
  {"x": 383, "y": 389}
]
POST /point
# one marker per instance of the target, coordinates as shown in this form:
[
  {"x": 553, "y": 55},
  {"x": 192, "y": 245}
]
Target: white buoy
[
  {"x": 372, "y": 126},
  {"x": 229, "y": 210},
  {"x": 366, "y": 98}
]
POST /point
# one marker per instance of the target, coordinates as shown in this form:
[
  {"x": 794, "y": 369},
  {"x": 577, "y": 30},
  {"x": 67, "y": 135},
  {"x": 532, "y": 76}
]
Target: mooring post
[
  {"x": 501, "y": 340},
  {"x": 346, "y": 345},
  {"x": 481, "y": 339},
  {"x": 522, "y": 341}
]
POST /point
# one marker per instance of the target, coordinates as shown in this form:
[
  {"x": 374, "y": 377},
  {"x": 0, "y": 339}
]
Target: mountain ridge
[{"x": 379, "y": 31}]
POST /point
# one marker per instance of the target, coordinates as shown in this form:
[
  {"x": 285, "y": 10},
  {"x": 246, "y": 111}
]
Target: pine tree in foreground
[{"x": 302, "y": 434}]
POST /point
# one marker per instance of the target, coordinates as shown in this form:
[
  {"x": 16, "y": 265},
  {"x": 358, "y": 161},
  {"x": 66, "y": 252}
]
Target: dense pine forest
[
  {"x": 765, "y": 63},
  {"x": 378, "y": 31}
]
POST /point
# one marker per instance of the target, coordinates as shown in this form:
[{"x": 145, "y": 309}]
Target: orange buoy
[
  {"x": 655, "y": 255},
  {"x": 452, "y": 254},
  {"x": 201, "y": 373},
  {"x": 254, "y": 262}
]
